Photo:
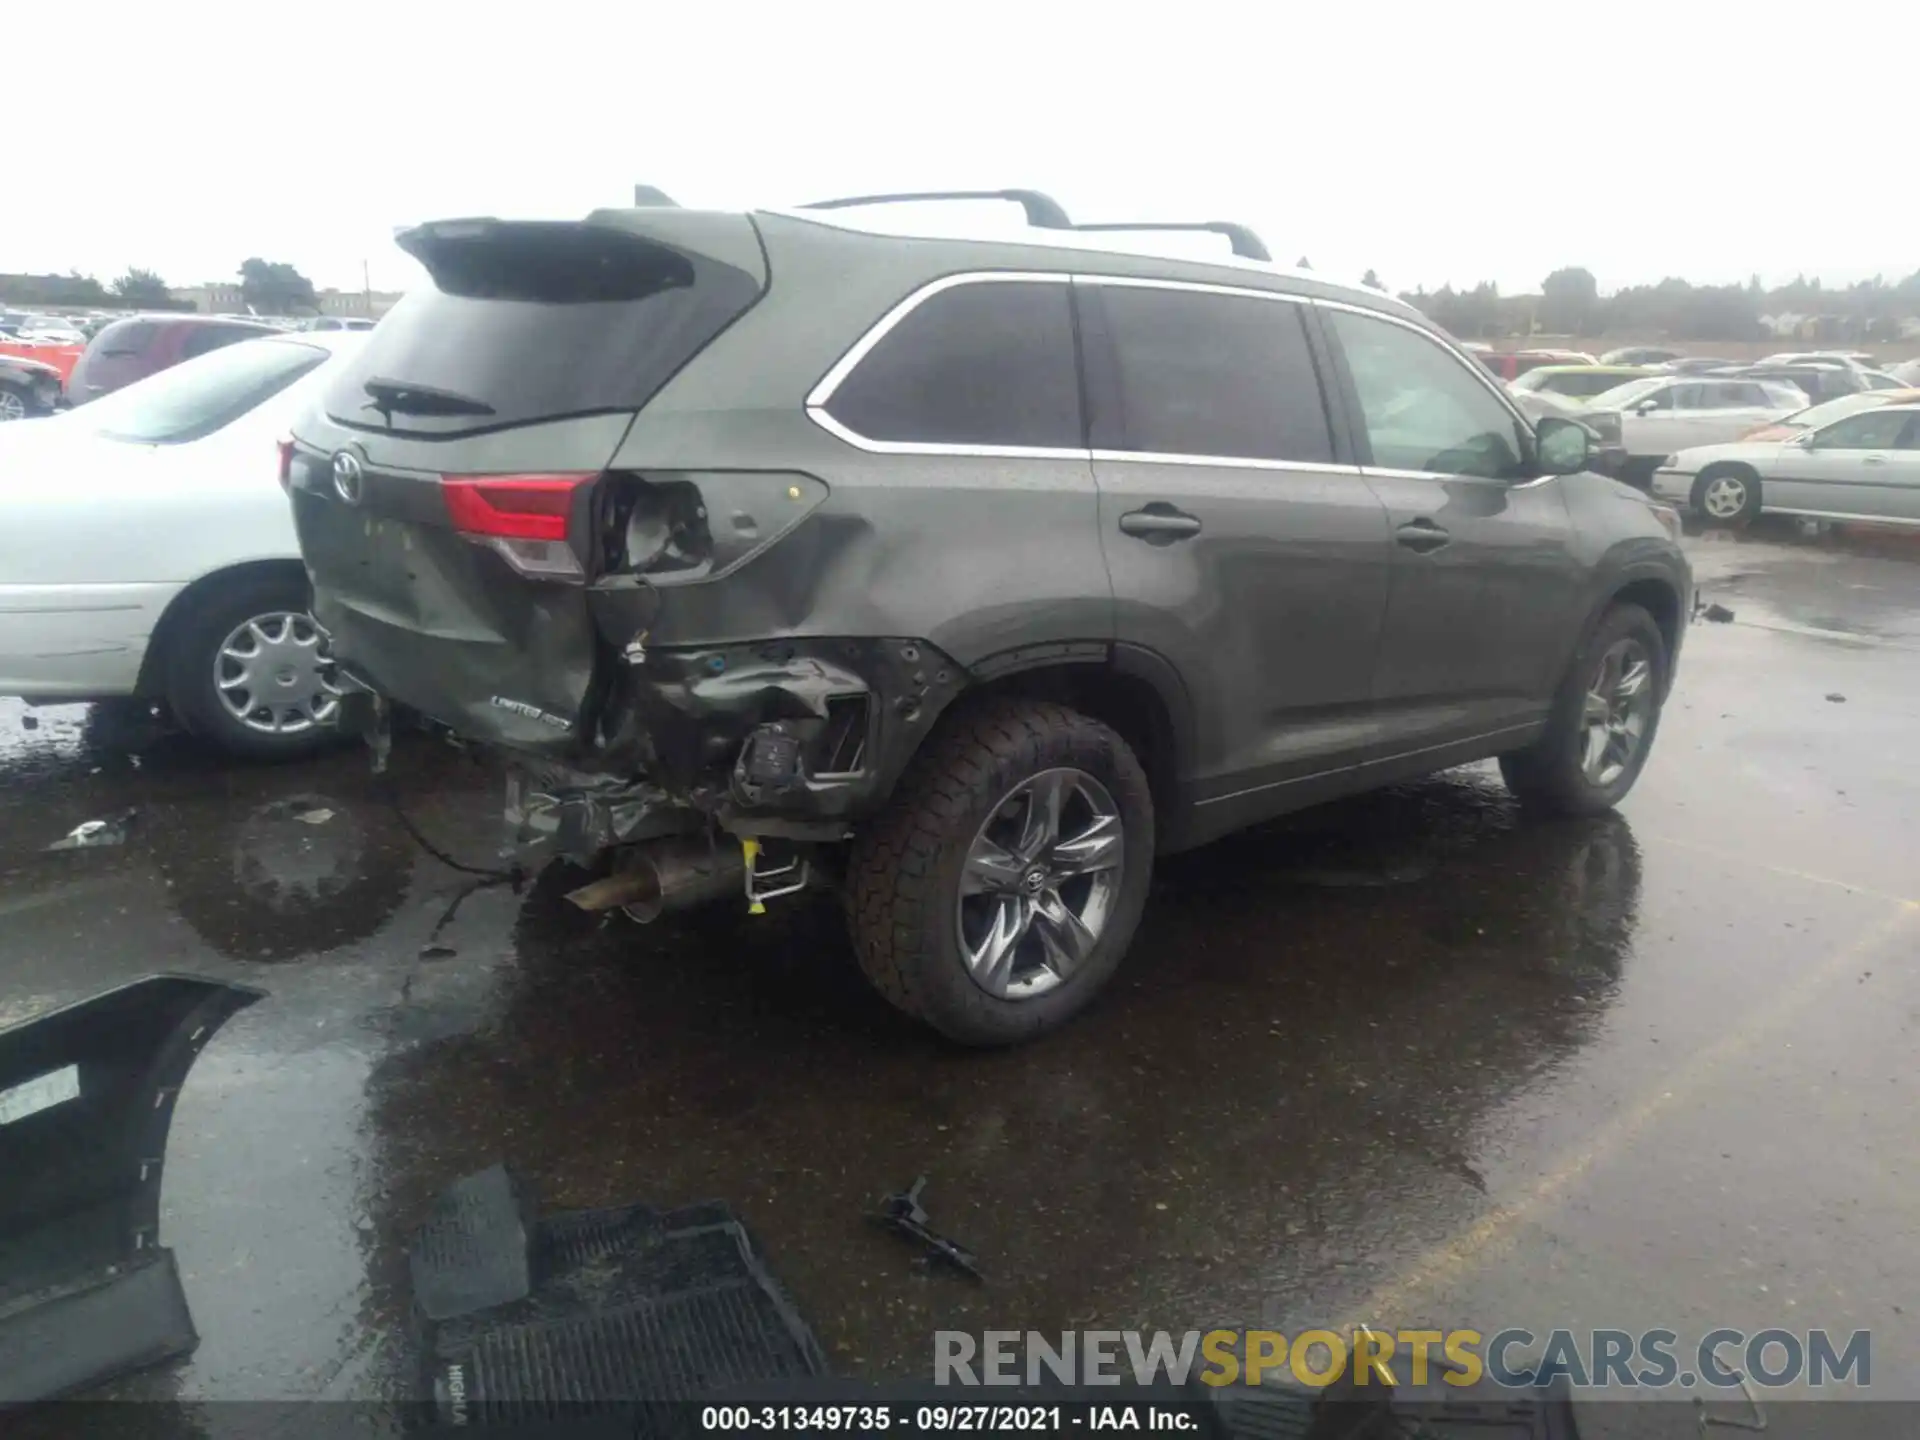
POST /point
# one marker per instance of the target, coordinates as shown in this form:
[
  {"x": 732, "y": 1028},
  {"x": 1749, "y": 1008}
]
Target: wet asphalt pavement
[{"x": 1407, "y": 1058}]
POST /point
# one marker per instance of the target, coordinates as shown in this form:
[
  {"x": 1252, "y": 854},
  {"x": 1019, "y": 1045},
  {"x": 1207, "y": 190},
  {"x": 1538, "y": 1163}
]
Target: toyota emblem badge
[{"x": 348, "y": 476}]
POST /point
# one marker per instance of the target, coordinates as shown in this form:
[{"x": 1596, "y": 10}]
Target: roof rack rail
[
  {"x": 1245, "y": 243},
  {"x": 1043, "y": 211}
]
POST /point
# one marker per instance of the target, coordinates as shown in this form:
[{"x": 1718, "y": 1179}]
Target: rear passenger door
[
  {"x": 1485, "y": 589},
  {"x": 1242, "y": 543}
]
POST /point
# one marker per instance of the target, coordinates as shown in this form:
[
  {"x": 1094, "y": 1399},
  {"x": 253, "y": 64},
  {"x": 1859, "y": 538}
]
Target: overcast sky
[{"x": 1457, "y": 141}]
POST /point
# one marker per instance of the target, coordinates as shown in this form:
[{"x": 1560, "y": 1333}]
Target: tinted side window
[
  {"x": 1603, "y": 383},
  {"x": 203, "y": 338},
  {"x": 1224, "y": 375},
  {"x": 127, "y": 338},
  {"x": 989, "y": 363},
  {"x": 1587, "y": 386},
  {"x": 1876, "y": 430},
  {"x": 197, "y": 397},
  {"x": 1422, "y": 408}
]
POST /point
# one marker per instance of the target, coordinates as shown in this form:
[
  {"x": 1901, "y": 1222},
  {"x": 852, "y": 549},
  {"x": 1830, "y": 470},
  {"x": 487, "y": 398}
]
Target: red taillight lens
[
  {"x": 511, "y": 507},
  {"x": 286, "y": 462}
]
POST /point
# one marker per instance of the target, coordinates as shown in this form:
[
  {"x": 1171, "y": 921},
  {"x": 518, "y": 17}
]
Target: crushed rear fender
[{"x": 87, "y": 1292}]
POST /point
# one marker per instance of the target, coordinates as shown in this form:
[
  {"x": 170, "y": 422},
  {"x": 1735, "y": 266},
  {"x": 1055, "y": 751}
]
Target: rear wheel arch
[
  {"x": 1134, "y": 692},
  {"x": 153, "y": 665}
]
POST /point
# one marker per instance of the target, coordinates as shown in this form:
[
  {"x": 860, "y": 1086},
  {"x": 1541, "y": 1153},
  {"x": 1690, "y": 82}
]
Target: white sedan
[
  {"x": 1863, "y": 466},
  {"x": 1660, "y": 414},
  {"x": 147, "y": 549}
]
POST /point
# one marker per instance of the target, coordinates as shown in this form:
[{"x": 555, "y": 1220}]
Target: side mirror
[
  {"x": 1646, "y": 407},
  {"x": 1562, "y": 446}
]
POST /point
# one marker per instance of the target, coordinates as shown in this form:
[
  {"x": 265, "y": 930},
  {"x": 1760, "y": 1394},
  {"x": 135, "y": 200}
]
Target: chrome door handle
[
  {"x": 1159, "y": 524},
  {"x": 1422, "y": 535}
]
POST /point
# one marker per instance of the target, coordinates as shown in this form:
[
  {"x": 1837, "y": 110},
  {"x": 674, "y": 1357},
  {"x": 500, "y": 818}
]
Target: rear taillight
[
  {"x": 286, "y": 463},
  {"x": 522, "y": 517}
]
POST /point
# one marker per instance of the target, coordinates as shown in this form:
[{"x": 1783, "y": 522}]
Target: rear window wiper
[{"x": 400, "y": 397}]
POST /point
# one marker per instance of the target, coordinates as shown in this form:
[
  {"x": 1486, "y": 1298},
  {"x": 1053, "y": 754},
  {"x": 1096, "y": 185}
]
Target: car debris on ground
[
  {"x": 905, "y": 1215},
  {"x": 96, "y": 834}
]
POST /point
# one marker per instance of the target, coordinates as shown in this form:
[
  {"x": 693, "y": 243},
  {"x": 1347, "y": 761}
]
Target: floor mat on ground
[{"x": 523, "y": 1318}]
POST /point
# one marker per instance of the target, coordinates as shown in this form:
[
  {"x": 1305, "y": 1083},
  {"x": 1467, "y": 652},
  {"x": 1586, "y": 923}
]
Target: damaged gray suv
[{"x": 963, "y": 576}]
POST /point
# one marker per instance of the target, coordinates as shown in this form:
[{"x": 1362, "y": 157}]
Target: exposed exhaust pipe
[{"x": 674, "y": 873}]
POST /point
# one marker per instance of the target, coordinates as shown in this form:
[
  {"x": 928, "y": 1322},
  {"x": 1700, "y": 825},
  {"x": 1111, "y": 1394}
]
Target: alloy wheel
[
  {"x": 1041, "y": 880},
  {"x": 1619, "y": 711},
  {"x": 1725, "y": 497},
  {"x": 274, "y": 674},
  {"x": 12, "y": 406}
]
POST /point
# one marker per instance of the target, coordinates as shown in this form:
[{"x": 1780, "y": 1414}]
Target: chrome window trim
[
  {"x": 1223, "y": 462},
  {"x": 1385, "y": 473},
  {"x": 854, "y": 438},
  {"x": 1202, "y": 287},
  {"x": 1446, "y": 347},
  {"x": 821, "y": 393},
  {"x": 1473, "y": 367}
]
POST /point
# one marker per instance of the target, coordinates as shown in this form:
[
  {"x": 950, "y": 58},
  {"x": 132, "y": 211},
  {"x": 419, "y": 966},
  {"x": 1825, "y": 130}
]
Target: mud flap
[{"x": 87, "y": 1293}]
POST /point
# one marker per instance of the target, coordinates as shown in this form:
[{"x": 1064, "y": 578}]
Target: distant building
[
  {"x": 360, "y": 304},
  {"x": 225, "y": 298},
  {"x": 222, "y": 298}
]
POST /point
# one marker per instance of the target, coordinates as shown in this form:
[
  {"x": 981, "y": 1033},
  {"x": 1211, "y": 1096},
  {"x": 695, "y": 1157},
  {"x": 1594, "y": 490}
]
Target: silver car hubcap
[
  {"x": 1041, "y": 880},
  {"x": 12, "y": 407},
  {"x": 1619, "y": 709},
  {"x": 1725, "y": 497},
  {"x": 274, "y": 674}
]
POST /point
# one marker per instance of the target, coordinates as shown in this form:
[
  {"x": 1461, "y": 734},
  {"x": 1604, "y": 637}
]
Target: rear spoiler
[{"x": 87, "y": 1293}]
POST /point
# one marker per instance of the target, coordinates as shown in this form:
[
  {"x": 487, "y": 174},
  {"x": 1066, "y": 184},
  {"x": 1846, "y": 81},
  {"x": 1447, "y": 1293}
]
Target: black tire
[
  {"x": 26, "y": 407},
  {"x": 903, "y": 882},
  {"x": 193, "y": 647},
  {"x": 1745, "y": 476},
  {"x": 1547, "y": 775}
]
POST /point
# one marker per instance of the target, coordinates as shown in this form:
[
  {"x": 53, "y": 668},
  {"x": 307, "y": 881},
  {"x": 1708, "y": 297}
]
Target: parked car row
[
  {"x": 38, "y": 373},
  {"x": 41, "y": 329},
  {"x": 1855, "y": 458},
  {"x": 28, "y": 387},
  {"x": 1645, "y": 412}
]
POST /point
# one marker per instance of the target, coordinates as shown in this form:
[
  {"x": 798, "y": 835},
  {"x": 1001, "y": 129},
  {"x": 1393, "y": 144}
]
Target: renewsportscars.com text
[{"x": 1589, "y": 1359}]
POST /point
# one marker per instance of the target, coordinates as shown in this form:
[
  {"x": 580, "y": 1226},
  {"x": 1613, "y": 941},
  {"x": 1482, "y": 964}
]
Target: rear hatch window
[
  {"x": 115, "y": 357},
  {"x": 526, "y": 321},
  {"x": 197, "y": 397},
  {"x": 448, "y": 557}
]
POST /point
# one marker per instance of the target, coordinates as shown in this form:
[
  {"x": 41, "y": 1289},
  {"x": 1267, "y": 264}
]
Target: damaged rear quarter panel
[
  {"x": 911, "y": 570},
  {"x": 976, "y": 554}
]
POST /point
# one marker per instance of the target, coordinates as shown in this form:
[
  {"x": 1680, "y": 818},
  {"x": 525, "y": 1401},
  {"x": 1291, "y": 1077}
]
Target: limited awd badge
[
  {"x": 349, "y": 476},
  {"x": 532, "y": 712}
]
